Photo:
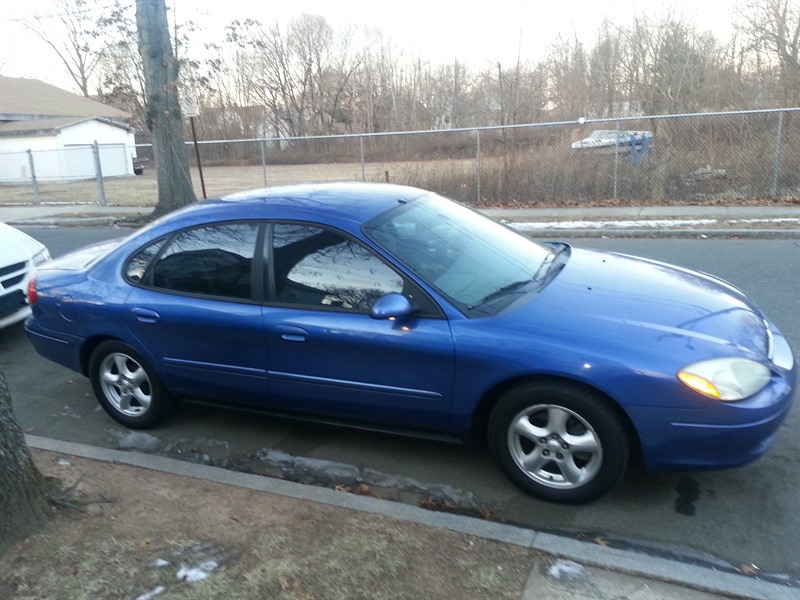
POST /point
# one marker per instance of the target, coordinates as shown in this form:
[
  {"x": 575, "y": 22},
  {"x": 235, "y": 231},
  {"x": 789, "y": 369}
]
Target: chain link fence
[{"x": 743, "y": 155}]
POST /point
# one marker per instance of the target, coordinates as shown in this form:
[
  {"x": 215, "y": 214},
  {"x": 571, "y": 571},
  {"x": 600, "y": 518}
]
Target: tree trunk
[
  {"x": 163, "y": 107},
  {"x": 23, "y": 491}
]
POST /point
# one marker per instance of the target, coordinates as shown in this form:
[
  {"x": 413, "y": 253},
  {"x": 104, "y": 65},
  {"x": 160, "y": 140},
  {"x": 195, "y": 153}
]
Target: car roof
[{"x": 324, "y": 202}]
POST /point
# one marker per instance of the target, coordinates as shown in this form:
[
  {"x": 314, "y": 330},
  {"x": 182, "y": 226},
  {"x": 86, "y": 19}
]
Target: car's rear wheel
[
  {"x": 126, "y": 386},
  {"x": 559, "y": 442}
]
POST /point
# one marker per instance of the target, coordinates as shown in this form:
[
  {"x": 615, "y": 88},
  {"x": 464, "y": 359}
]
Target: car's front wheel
[
  {"x": 559, "y": 442},
  {"x": 126, "y": 386}
]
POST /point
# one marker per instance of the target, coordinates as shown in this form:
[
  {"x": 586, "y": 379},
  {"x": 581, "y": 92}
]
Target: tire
[
  {"x": 558, "y": 442},
  {"x": 126, "y": 386}
]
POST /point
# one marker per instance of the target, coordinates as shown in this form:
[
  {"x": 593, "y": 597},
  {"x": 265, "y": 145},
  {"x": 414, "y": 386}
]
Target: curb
[{"x": 623, "y": 561}]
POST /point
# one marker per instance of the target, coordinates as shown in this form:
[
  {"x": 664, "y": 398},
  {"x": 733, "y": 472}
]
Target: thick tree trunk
[
  {"x": 163, "y": 107},
  {"x": 23, "y": 489}
]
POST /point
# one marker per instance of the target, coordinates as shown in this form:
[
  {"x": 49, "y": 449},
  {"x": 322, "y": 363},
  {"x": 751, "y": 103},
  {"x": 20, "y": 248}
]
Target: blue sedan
[{"x": 392, "y": 308}]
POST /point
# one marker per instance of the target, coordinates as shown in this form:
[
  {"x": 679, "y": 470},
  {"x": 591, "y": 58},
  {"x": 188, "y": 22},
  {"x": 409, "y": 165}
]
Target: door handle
[
  {"x": 146, "y": 315},
  {"x": 291, "y": 333}
]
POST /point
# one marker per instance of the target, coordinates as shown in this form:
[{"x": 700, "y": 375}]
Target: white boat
[{"x": 612, "y": 140}]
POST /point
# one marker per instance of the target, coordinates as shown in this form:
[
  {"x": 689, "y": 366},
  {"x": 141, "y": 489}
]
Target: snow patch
[
  {"x": 198, "y": 573},
  {"x": 639, "y": 223},
  {"x": 159, "y": 563},
  {"x": 152, "y": 593},
  {"x": 643, "y": 223},
  {"x": 136, "y": 440},
  {"x": 782, "y": 220},
  {"x": 566, "y": 569}
]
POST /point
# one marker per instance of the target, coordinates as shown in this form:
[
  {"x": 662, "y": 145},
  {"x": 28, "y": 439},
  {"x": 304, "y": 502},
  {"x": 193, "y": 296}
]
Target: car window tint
[
  {"x": 318, "y": 267},
  {"x": 215, "y": 260}
]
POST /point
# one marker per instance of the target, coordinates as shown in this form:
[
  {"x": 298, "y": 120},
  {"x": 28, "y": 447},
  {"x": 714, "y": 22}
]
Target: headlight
[
  {"x": 41, "y": 257},
  {"x": 726, "y": 379}
]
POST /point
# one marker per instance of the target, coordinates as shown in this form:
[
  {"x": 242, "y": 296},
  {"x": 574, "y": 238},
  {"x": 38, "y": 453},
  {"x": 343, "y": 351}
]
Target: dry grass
[
  {"x": 219, "y": 180},
  {"x": 548, "y": 176},
  {"x": 139, "y": 527}
]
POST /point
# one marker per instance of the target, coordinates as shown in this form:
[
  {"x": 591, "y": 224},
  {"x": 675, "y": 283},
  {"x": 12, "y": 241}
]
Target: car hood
[
  {"x": 17, "y": 246},
  {"x": 626, "y": 300}
]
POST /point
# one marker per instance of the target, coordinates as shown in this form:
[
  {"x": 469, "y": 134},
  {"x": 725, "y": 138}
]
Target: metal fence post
[
  {"x": 778, "y": 159},
  {"x": 361, "y": 151},
  {"x": 616, "y": 163},
  {"x": 264, "y": 159},
  {"x": 34, "y": 184},
  {"x": 478, "y": 165},
  {"x": 98, "y": 169}
]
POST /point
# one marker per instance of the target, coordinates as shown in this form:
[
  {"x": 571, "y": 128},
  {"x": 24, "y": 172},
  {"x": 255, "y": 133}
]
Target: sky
[{"x": 438, "y": 30}]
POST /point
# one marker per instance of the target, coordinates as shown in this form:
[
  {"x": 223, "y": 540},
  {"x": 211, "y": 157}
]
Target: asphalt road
[{"x": 747, "y": 518}]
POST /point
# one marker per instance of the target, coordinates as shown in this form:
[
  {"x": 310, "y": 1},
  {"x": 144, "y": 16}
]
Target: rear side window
[
  {"x": 215, "y": 260},
  {"x": 137, "y": 265}
]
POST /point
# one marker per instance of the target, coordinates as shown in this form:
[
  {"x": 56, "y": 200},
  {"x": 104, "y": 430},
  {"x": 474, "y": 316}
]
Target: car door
[
  {"x": 326, "y": 355},
  {"x": 193, "y": 309}
]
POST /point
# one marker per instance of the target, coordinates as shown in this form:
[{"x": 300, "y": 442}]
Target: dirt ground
[
  {"x": 133, "y": 533},
  {"x": 220, "y": 180}
]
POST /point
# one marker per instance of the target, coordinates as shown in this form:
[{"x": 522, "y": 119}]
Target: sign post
[{"x": 190, "y": 110}]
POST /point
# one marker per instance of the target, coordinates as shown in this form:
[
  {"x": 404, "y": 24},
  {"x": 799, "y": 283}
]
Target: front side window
[
  {"x": 313, "y": 266},
  {"x": 214, "y": 260}
]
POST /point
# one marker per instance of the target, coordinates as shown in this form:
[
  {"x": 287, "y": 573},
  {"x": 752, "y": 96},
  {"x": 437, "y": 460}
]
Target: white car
[{"x": 20, "y": 254}]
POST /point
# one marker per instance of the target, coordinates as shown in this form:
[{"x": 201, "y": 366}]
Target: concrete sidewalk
[
  {"x": 53, "y": 214},
  {"x": 572, "y": 569}
]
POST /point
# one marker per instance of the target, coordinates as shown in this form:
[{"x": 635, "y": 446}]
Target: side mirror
[{"x": 391, "y": 306}]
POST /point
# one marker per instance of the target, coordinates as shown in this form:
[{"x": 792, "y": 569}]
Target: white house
[{"x": 56, "y": 135}]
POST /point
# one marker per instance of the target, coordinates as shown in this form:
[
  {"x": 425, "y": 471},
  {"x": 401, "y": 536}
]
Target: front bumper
[{"x": 722, "y": 435}]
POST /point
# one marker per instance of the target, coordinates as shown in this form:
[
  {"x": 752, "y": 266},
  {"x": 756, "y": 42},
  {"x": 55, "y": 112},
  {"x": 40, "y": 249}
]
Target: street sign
[{"x": 189, "y": 106}]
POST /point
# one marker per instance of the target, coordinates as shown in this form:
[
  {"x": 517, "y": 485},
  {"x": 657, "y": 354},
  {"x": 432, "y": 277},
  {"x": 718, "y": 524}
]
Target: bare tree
[
  {"x": 666, "y": 65},
  {"x": 773, "y": 30},
  {"x": 302, "y": 73},
  {"x": 304, "y": 78},
  {"x": 569, "y": 81},
  {"x": 23, "y": 494},
  {"x": 163, "y": 107},
  {"x": 376, "y": 86},
  {"x": 72, "y": 33},
  {"x": 604, "y": 75},
  {"x": 120, "y": 72}
]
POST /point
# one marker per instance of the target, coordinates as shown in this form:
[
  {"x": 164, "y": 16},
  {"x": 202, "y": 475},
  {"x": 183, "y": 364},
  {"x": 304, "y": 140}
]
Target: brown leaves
[
  {"x": 360, "y": 489},
  {"x": 748, "y": 569}
]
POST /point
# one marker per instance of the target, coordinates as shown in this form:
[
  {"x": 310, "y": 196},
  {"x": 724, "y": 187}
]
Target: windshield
[{"x": 470, "y": 259}]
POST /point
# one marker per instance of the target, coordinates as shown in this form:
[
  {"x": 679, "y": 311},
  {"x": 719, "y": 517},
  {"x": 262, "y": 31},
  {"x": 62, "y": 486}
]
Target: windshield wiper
[
  {"x": 546, "y": 268},
  {"x": 547, "y": 263},
  {"x": 506, "y": 289}
]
